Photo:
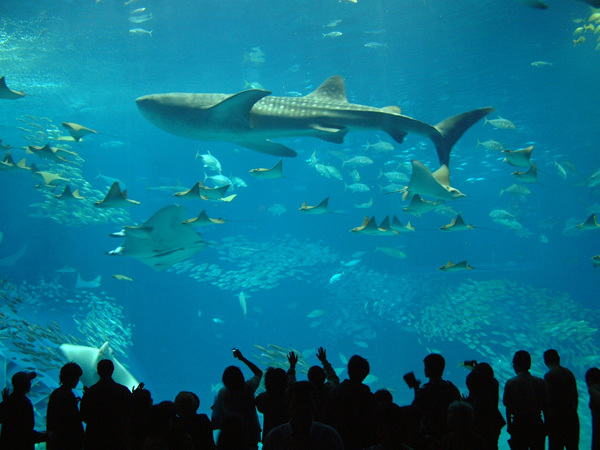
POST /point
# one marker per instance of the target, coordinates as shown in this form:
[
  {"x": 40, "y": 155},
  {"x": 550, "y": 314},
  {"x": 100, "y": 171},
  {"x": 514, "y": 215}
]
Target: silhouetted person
[
  {"x": 562, "y": 420},
  {"x": 105, "y": 410},
  {"x": 160, "y": 434},
  {"x": 484, "y": 393},
  {"x": 592, "y": 380},
  {"x": 302, "y": 432},
  {"x": 16, "y": 416},
  {"x": 271, "y": 403},
  {"x": 237, "y": 397},
  {"x": 63, "y": 421},
  {"x": 232, "y": 435},
  {"x": 433, "y": 398},
  {"x": 389, "y": 427},
  {"x": 525, "y": 398},
  {"x": 189, "y": 422},
  {"x": 350, "y": 405},
  {"x": 141, "y": 402},
  {"x": 383, "y": 396},
  {"x": 412, "y": 434},
  {"x": 460, "y": 423},
  {"x": 324, "y": 379}
]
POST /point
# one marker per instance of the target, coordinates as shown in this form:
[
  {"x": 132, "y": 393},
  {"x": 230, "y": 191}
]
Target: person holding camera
[{"x": 236, "y": 398}]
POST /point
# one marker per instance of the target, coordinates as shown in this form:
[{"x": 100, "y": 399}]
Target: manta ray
[
  {"x": 9, "y": 94},
  {"x": 436, "y": 184},
  {"x": 67, "y": 194},
  {"x": 253, "y": 117},
  {"x": 162, "y": 240},
  {"x": 321, "y": 208},
  {"x": 518, "y": 158},
  {"x": 457, "y": 224},
  {"x": 115, "y": 198},
  {"x": 529, "y": 176},
  {"x": 77, "y": 131},
  {"x": 88, "y": 358},
  {"x": 273, "y": 173},
  {"x": 455, "y": 267},
  {"x": 203, "y": 220}
]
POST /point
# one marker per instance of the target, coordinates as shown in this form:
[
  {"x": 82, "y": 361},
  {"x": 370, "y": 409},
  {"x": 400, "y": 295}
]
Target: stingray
[
  {"x": 67, "y": 194},
  {"x": 115, "y": 198},
  {"x": 78, "y": 131},
  {"x": 321, "y": 208},
  {"x": 162, "y": 240},
  {"x": 436, "y": 184},
  {"x": 369, "y": 226},
  {"x": 529, "y": 176},
  {"x": 9, "y": 94},
  {"x": 88, "y": 358},
  {"x": 590, "y": 224},
  {"x": 455, "y": 267},
  {"x": 419, "y": 206},
  {"x": 518, "y": 158},
  {"x": 384, "y": 228},
  {"x": 400, "y": 227},
  {"x": 203, "y": 220},
  {"x": 227, "y": 199},
  {"x": 49, "y": 153},
  {"x": 269, "y": 174},
  {"x": 50, "y": 179},
  {"x": 204, "y": 192},
  {"x": 457, "y": 224},
  {"x": 82, "y": 284},
  {"x": 122, "y": 277},
  {"x": 8, "y": 163}
]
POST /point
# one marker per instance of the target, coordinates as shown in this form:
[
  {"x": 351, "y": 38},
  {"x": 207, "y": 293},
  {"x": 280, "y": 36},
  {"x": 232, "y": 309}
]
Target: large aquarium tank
[{"x": 387, "y": 178}]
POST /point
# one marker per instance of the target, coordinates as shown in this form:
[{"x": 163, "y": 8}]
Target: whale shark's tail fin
[{"x": 451, "y": 129}]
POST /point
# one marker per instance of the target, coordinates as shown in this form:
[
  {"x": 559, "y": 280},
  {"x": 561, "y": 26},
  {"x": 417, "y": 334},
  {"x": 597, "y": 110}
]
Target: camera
[
  {"x": 470, "y": 364},
  {"x": 410, "y": 380}
]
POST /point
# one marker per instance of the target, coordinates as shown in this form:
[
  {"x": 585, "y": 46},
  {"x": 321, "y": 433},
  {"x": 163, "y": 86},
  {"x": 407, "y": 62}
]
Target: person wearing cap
[
  {"x": 16, "y": 416},
  {"x": 63, "y": 421}
]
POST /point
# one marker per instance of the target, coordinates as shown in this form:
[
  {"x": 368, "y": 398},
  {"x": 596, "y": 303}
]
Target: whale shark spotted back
[{"x": 253, "y": 117}]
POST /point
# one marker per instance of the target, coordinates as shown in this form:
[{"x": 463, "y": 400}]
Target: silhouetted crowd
[{"x": 321, "y": 413}]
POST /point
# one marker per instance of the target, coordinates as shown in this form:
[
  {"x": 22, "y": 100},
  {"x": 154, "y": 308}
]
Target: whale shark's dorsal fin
[
  {"x": 238, "y": 105},
  {"x": 333, "y": 89}
]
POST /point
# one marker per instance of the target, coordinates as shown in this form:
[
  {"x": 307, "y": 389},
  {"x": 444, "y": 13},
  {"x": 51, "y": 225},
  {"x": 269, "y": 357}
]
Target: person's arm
[
  {"x": 291, "y": 373},
  {"x": 330, "y": 374},
  {"x": 253, "y": 367}
]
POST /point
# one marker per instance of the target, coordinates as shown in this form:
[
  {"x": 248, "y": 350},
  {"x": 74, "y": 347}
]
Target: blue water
[{"x": 78, "y": 62}]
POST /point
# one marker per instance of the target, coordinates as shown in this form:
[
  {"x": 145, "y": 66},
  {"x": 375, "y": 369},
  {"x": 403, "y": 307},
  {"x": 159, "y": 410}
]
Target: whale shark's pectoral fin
[
  {"x": 236, "y": 108},
  {"x": 267, "y": 146},
  {"x": 331, "y": 134}
]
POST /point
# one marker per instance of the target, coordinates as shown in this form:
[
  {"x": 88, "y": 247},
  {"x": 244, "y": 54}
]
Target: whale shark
[{"x": 253, "y": 117}]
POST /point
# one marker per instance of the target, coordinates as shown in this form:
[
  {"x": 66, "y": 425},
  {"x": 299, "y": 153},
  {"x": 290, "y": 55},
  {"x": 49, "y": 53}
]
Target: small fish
[
  {"x": 138, "y": 11},
  {"x": 333, "y": 23},
  {"x": 140, "y": 19},
  {"x": 335, "y": 278},
  {"x": 376, "y": 45},
  {"x": 315, "y": 313},
  {"x": 561, "y": 170},
  {"x": 579, "y": 40},
  {"x": 500, "y": 122},
  {"x": 217, "y": 320},
  {"x": 140, "y": 31},
  {"x": 332, "y": 34},
  {"x": 541, "y": 64}
]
